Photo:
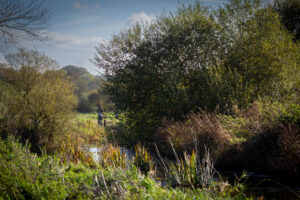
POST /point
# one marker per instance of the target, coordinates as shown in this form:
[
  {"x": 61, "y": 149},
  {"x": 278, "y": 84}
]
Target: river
[{"x": 270, "y": 187}]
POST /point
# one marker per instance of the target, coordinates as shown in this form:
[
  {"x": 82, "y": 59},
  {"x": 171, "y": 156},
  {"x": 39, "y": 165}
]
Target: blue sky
[{"x": 77, "y": 26}]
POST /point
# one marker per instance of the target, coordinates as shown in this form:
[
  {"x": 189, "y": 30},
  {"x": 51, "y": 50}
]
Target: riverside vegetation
[{"x": 210, "y": 89}]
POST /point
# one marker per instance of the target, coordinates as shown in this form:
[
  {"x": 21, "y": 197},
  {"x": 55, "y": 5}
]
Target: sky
[{"x": 77, "y": 26}]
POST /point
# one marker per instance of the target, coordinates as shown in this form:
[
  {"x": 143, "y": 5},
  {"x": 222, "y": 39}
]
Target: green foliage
[
  {"x": 143, "y": 160},
  {"x": 191, "y": 170},
  {"x": 129, "y": 184},
  {"x": 23, "y": 175},
  {"x": 86, "y": 127},
  {"x": 289, "y": 11},
  {"x": 185, "y": 171},
  {"x": 79, "y": 180},
  {"x": 260, "y": 57},
  {"x": 72, "y": 152},
  {"x": 89, "y": 90},
  {"x": 111, "y": 157},
  {"x": 6, "y": 91},
  {"x": 199, "y": 57},
  {"x": 42, "y": 100},
  {"x": 251, "y": 126},
  {"x": 291, "y": 114}
]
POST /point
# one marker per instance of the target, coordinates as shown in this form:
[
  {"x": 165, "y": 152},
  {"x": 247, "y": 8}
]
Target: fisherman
[{"x": 100, "y": 116}]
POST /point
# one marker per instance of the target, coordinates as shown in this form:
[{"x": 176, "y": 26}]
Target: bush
[
  {"x": 275, "y": 151},
  {"x": 202, "y": 128},
  {"x": 23, "y": 175},
  {"x": 263, "y": 137},
  {"x": 42, "y": 100}
]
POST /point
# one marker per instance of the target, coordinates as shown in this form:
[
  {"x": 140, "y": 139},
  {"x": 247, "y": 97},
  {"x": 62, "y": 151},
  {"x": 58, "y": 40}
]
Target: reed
[
  {"x": 143, "y": 160},
  {"x": 112, "y": 157},
  {"x": 76, "y": 154},
  {"x": 192, "y": 171}
]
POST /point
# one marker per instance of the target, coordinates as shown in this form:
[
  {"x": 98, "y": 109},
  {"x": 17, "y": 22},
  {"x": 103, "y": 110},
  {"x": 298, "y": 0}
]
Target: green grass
[
  {"x": 25, "y": 175},
  {"x": 86, "y": 128}
]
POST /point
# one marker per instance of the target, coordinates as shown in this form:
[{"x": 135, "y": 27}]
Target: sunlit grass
[
  {"x": 143, "y": 160},
  {"x": 111, "y": 157}
]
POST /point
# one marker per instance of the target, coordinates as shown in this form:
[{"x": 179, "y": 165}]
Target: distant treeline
[{"x": 89, "y": 90}]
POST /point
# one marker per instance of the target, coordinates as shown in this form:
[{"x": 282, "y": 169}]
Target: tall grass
[
  {"x": 111, "y": 157},
  {"x": 76, "y": 154},
  {"x": 206, "y": 127},
  {"x": 190, "y": 170},
  {"x": 86, "y": 127},
  {"x": 25, "y": 175},
  {"x": 143, "y": 160}
]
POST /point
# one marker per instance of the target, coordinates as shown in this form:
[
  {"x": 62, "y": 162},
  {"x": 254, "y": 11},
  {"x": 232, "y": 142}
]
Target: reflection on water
[{"x": 95, "y": 152}]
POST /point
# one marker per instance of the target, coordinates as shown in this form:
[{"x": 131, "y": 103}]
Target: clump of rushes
[
  {"x": 75, "y": 154},
  {"x": 191, "y": 170},
  {"x": 143, "y": 160},
  {"x": 111, "y": 156}
]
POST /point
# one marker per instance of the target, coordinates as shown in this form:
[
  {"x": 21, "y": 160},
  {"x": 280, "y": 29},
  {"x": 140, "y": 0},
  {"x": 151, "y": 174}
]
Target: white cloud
[
  {"x": 68, "y": 49},
  {"x": 141, "y": 17},
  {"x": 80, "y": 6},
  {"x": 72, "y": 49},
  {"x": 68, "y": 40}
]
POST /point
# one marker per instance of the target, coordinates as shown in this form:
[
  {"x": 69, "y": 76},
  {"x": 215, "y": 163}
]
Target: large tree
[
  {"x": 41, "y": 98},
  {"x": 197, "y": 57}
]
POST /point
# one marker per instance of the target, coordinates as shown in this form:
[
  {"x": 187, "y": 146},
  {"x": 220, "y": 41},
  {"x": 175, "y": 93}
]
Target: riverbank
[{"x": 25, "y": 175}]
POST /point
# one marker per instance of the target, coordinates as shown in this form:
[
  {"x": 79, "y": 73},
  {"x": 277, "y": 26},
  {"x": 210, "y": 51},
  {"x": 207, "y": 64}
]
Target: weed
[
  {"x": 112, "y": 157},
  {"x": 76, "y": 154},
  {"x": 143, "y": 160},
  {"x": 192, "y": 171}
]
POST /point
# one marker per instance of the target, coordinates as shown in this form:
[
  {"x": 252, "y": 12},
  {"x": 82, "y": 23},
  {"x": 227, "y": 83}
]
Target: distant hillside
[
  {"x": 83, "y": 78},
  {"x": 89, "y": 89}
]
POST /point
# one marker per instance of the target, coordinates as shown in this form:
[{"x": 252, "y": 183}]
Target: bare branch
[{"x": 23, "y": 20}]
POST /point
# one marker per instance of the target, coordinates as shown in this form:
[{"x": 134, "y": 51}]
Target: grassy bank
[{"x": 25, "y": 175}]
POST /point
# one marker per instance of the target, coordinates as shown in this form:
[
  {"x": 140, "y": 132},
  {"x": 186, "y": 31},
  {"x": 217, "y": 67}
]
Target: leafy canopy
[
  {"x": 198, "y": 57},
  {"x": 40, "y": 98}
]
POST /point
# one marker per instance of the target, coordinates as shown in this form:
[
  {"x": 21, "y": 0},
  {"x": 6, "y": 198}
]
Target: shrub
[
  {"x": 275, "y": 151},
  {"x": 23, "y": 175},
  {"x": 198, "y": 57},
  {"x": 42, "y": 100},
  {"x": 203, "y": 128}
]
